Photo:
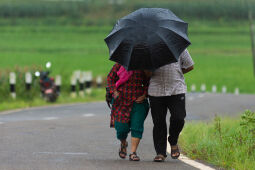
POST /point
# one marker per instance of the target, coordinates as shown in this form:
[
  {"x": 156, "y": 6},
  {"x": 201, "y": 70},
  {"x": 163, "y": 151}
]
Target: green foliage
[
  {"x": 221, "y": 52},
  {"x": 248, "y": 120},
  {"x": 248, "y": 124},
  {"x": 206, "y": 9},
  {"x": 21, "y": 91},
  {"x": 112, "y": 10},
  {"x": 217, "y": 127},
  {"x": 228, "y": 143}
]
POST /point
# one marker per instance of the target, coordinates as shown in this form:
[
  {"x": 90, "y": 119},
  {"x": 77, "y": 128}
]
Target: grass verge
[
  {"x": 226, "y": 142},
  {"x": 96, "y": 95}
]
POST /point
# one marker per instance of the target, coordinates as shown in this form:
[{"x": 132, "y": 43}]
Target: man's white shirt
[{"x": 168, "y": 80}]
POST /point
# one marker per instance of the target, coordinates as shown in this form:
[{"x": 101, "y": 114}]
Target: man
[{"x": 167, "y": 91}]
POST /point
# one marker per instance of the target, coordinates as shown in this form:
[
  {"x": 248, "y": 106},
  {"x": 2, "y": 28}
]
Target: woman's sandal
[
  {"x": 175, "y": 153},
  {"x": 122, "y": 153},
  {"x": 133, "y": 157},
  {"x": 159, "y": 158}
]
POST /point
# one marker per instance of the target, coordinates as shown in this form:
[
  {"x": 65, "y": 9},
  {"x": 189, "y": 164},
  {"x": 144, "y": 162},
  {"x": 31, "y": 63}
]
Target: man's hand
[
  {"x": 140, "y": 99},
  {"x": 187, "y": 70}
]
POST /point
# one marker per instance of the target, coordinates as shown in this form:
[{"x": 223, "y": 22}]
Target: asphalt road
[{"x": 78, "y": 136}]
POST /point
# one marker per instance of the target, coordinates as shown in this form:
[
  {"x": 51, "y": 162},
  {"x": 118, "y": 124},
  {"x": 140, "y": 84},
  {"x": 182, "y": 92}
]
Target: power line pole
[{"x": 252, "y": 39}]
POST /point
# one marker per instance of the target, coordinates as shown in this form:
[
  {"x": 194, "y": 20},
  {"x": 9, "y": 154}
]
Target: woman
[{"x": 130, "y": 106}]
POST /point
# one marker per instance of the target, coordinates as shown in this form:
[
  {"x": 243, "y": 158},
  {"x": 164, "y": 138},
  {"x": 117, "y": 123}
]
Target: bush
[
  {"x": 229, "y": 143},
  {"x": 21, "y": 91}
]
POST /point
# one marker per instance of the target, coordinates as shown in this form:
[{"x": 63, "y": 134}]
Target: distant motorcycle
[{"x": 48, "y": 87}]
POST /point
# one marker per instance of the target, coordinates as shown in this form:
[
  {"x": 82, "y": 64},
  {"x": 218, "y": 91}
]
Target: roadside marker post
[
  {"x": 81, "y": 84},
  {"x": 28, "y": 80},
  {"x": 237, "y": 91},
  {"x": 12, "y": 81},
  {"x": 224, "y": 89},
  {"x": 88, "y": 81},
  {"x": 214, "y": 88},
  {"x": 193, "y": 88},
  {"x": 58, "y": 83},
  {"x": 99, "y": 81},
  {"x": 73, "y": 86},
  {"x": 203, "y": 88}
]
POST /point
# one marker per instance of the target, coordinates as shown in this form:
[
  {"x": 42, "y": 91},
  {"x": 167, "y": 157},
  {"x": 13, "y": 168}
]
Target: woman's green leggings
[{"x": 137, "y": 117}]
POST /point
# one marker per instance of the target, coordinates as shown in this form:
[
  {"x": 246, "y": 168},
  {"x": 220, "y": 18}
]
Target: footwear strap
[
  {"x": 159, "y": 156},
  {"x": 134, "y": 156},
  {"x": 175, "y": 150},
  {"x": 134, "y": 153}
]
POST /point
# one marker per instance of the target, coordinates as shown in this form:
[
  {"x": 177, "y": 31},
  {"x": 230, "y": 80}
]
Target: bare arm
[{"x": 184, "y": 71}]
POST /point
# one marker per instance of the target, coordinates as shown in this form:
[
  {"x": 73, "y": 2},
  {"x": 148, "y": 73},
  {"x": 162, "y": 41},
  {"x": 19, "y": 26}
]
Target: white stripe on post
[
  {"x": 28, "y": 80},
  {"x": 214, "y": 88},
  {"x": 224, "y": 89},
  {"x": 236, "y": 91},
  {"x": 73, "y": 86},
  {"x": 12, "y": 81},
  {"x": 99, "y": 81},
  {"x": 193, "y": 88},
  {"x": 88, "y": 81},
  {"x": 203, "y": 88},
  {"x": 58, "y": 83}
]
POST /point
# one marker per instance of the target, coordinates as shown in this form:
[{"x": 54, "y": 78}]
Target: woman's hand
[
  {"x": 140, "y": 99},
  {"x": 115, "y": 94},
  {"x": 148, "y": 73}
]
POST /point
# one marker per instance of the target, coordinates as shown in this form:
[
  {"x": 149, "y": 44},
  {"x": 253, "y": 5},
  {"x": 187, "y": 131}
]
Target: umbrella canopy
[{"x": 147, "y": 39}]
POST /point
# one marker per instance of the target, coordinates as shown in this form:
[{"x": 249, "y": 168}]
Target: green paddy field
[{"x": 221, "y": 51}]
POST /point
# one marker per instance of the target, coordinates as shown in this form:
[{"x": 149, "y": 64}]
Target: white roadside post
[
  {"x": 203, "y": 88},
  {"x": 58, "y": 83},
  {"x": 73, "y": 86},
  {"x": 77, "y": 75},
  {"x": 81, "y": 84},
  {"x": 237, "y": 91},
  {"x": 99, "y": 81},
  {"x": 193, "y": 88},
  {"x": 28, "y": 80},
  {"x": 214, "y": 88},
  {"x": 224, "y": 89},
  {"x": 12, "y": 81},
  {"x": 88, "y": 81}
]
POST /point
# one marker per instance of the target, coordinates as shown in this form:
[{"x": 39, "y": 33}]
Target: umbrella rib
[
  {"x": 180, "y": 21},
  {"x": 130, "y": 51},
  {"x": 129, "y": 20},
  {"x": 112, "y": 33},
  {"x": 163, "y": 39},
  {"x": 186, "y": 38},
  {"x": 116, "y": 46}
]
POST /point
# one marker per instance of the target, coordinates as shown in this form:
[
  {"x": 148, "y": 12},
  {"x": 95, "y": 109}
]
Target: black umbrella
[{"x": 147, "y": 39}]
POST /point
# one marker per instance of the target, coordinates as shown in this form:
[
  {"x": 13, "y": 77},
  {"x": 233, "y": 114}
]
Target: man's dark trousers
[{"x": 159, "y": 106}]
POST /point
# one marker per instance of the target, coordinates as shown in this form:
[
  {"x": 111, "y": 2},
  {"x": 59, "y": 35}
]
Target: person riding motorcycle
[{"x": 47, "y": 86}]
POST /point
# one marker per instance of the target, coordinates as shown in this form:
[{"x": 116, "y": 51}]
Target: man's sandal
[
  {"x": 159, "y": 158},
  {"x": 175, "y": 153},
  {"x": 133, "y": 157},
  {"x": 122, "y": 153}
]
